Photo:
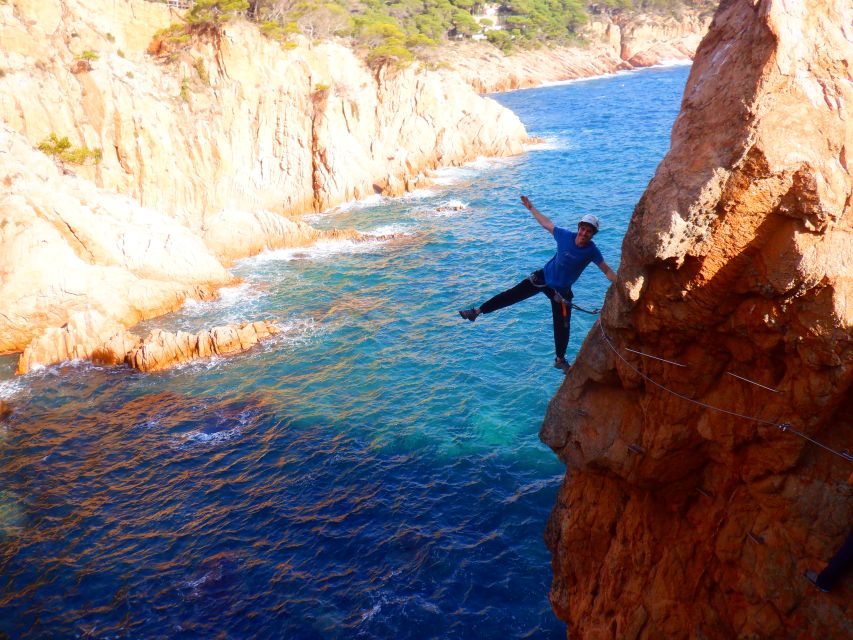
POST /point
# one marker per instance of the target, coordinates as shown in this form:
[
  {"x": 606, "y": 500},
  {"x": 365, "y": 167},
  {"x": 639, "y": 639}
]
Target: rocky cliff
[
  {"x": 693, "y": 499},
  {"x": 201, "y": 154},
  {"x": 612, "y": 45}
]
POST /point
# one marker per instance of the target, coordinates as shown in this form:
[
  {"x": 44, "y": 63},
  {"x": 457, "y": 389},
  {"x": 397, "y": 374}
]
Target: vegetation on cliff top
[
  {"x": 61, "y": 149},
  {"x": 398, "y": 30}
]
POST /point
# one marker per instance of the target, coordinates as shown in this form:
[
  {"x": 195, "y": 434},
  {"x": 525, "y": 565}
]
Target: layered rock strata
[
  {"x": 82, "y": 339},
  {"x": 163, "y": 350},
  {"x": 612, "y": 46},
  {"x": 693, "y": 501},
  {"x": 205, "y": 156}
]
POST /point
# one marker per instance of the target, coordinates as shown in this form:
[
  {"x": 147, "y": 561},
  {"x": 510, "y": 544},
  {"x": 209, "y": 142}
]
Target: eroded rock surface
[
  {"x": 679, "y": 519},
  {"x": 205, "y": 159},
  {"x": 236, "y": 122},
  {"x": 91, "y": 336},
  {"x": 162, "y": 350}
]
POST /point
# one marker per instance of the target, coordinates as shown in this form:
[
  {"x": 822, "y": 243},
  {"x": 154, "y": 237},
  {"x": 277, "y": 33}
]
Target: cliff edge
[{"x": 695, "y": 495}]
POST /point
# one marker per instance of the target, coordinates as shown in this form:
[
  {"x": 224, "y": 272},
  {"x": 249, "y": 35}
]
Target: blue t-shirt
[{"x": 570, "y": 260}]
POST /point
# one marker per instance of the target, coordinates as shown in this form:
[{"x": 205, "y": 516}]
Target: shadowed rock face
[{"x": 681, "y": 519}]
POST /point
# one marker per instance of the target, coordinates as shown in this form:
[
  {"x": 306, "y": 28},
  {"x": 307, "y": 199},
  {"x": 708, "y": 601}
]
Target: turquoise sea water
[{"x": 375, "y": 470}]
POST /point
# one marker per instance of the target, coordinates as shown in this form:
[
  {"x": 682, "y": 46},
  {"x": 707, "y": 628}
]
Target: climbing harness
[{"x": 564, "y": 303}]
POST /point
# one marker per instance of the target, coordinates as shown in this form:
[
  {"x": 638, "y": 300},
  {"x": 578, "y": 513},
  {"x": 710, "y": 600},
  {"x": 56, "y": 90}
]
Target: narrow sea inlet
[{"x": 375, "y": 470}]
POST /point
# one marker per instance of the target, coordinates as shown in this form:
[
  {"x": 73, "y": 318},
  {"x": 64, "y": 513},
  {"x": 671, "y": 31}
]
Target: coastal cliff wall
[
  {"x": 693, "y": 502},
  {"x": 203, "y": 154},
  {"x": 612, "y": 45}
]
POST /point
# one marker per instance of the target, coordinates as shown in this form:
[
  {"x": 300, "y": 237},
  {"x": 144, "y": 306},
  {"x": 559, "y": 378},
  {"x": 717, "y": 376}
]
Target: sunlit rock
[
  {"x": 162, "y": 350},
  {"x": 186, "y": 147}
]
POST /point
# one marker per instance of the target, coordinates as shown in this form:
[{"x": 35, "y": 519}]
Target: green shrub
[
  {"x": 185, "y": 89},
  {"x": 389, "y": 53},
  {"x": 89, "y": 56},
  {"x": 501, "y": 39},
  {"x": 61, "y": 149},
  {"x": 201, "y": 70},
  {"x": 214, "y": 13}
]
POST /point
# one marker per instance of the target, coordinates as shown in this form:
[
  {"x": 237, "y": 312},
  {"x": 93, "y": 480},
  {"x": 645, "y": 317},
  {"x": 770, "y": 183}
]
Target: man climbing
[{"x": 574, "y": 252}]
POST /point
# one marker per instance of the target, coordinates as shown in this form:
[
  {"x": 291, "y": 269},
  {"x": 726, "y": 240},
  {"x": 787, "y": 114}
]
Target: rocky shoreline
[{"x": 612, "y": 46}]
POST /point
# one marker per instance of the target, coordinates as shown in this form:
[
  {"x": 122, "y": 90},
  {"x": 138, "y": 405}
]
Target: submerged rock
[{"x": 692, "y": 506}]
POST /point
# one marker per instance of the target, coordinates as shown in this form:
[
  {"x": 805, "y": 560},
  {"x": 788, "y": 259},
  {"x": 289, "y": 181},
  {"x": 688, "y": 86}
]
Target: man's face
[{"x": 585, "y": 233}]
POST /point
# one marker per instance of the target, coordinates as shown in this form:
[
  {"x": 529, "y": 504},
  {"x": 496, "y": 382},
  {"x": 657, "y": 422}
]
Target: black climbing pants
[{"x": 529, "y": 287}]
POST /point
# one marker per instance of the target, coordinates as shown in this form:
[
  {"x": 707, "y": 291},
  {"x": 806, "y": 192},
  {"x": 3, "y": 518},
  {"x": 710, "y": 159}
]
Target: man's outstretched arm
[
  {"x": 606, "y": 270},
  {"x": 544, "y": 221}
]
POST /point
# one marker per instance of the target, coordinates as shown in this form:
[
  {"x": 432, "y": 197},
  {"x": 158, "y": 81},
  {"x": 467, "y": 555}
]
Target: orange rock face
[{"x": 687, "y": 511}]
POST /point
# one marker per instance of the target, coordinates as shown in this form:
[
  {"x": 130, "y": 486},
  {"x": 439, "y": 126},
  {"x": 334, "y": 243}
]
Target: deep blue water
[{"x": 374, "y": 471}]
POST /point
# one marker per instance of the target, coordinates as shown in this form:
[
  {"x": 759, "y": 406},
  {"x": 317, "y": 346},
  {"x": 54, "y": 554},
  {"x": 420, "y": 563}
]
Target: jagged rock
[
  {"x": 271, "y": 139},
  {"x": 84, "y": 332},
  {"x": 115, "y": 350},
  {"x": 91, "y": 336},
  {"x": 675, "y": 519},
  {"x": 162, "y": 350},
  {"x": 237, "y": 234}
]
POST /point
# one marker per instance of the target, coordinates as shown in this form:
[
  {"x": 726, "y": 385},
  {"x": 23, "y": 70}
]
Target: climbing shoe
[
  {"x": 560, "y": 363},
  {"x": 469, "y": 314}
]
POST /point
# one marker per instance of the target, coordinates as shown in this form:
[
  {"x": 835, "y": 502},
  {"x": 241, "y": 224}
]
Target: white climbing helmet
[{"x": 590, "y": 219}]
